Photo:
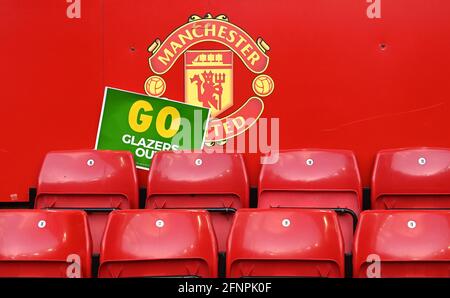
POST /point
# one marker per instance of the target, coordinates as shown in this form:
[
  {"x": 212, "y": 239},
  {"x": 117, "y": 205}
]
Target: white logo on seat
[
  {"x": 42, "y": 224},
  {"x": 412, "y": 224},
  {"x": 309, "y": 162},
  {"x": 285, "y": 222},
  {"x": 90, "y": 162},
  {"x": 422, "y": 161},
  {"x": 198, "y": 162},
  {"x": 159, "y": 223}
]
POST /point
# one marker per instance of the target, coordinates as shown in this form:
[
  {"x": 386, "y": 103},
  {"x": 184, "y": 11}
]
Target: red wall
[{"x": 335, "y": 86}]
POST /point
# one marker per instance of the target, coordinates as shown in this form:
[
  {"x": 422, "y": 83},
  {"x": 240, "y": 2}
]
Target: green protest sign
[{"x": 144, "y": 125}]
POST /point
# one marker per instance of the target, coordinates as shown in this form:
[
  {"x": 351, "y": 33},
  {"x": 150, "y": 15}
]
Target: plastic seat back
[
  {"x": 415, "y": 178},
  {"x": 404, "y": 243},
  {"x": 44, "y": 243},
  {"x": 285, "y": 242},
  {"x": 159, "y": 243}
]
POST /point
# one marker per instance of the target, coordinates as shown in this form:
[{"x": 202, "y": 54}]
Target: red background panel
[
  {"x": 336, "y": 86},
  {"x": 51, "y": 81}
]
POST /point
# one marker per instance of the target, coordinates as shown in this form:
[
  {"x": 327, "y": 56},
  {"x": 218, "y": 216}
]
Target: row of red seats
[
  {"x": 262, "y": 242},
  {"x": 102, "y": 181}
]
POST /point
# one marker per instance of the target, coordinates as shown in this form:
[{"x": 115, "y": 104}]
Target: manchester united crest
[
  {"x": 209, "y": 79},
  {"x": 208, "y": 73}
]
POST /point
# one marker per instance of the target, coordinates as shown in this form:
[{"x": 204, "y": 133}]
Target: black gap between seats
[
  {"x": 222, "y": 264},
  {"x": 366, "y": 198},
  {"x": 253, "y": 197},
  {"x": 95, "y": 265},
  {"x": 142, "y": 197},
  {"x": 348, "y": 266}
]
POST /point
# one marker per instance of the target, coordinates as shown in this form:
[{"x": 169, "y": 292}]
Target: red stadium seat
[
  {"x": 44, "y": 243},
  {"x": 285, "y": 242},
  {"x": 152, "y": 243},
  {"x": 216, "y": 182},
  {"x": 405, "y": 243},
  {"x": 95, "y": 181},
  {"x": 416, "y": 178},
  {"x": 309, "y": 178}
]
